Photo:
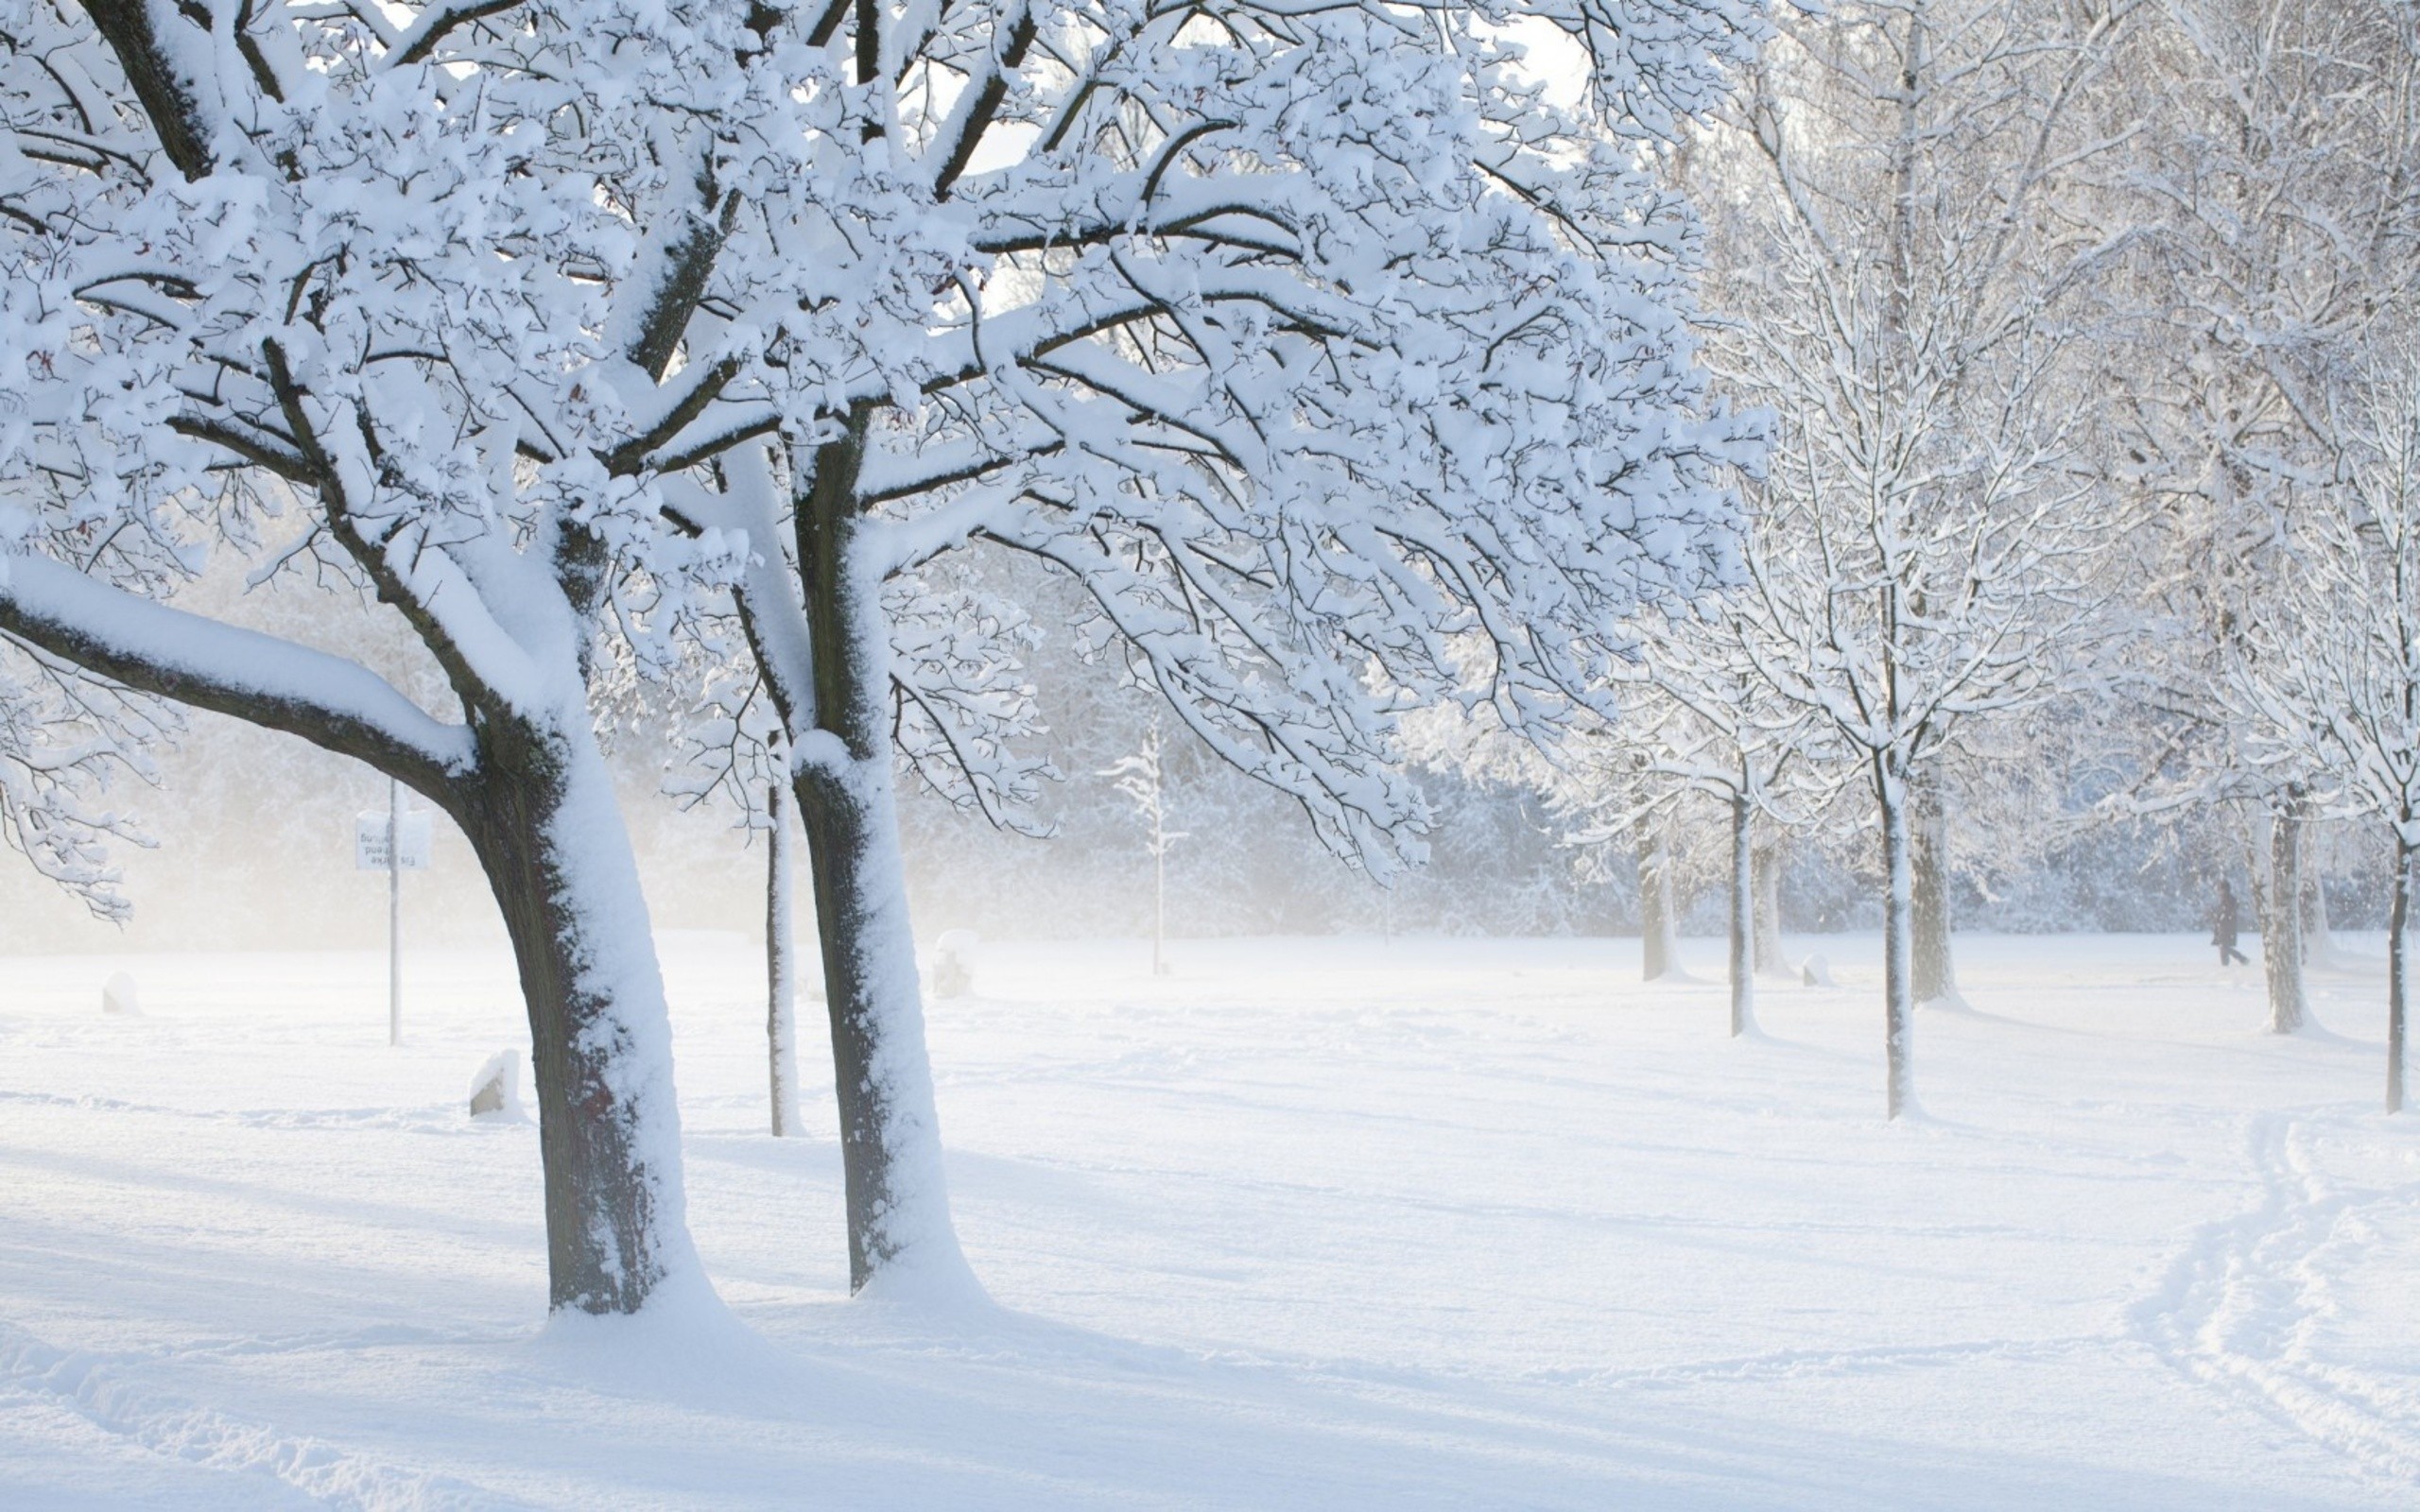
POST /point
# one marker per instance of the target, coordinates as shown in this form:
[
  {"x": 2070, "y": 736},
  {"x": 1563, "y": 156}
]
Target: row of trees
[
  {"x": 697, "y": 345},
  {"x": 2086, "y": 337}
]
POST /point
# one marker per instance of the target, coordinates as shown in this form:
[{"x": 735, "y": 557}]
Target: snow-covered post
[
  {"x": 1141, "y": 779},
  {"x": 1743, "y": 911},
  {"x": 395, "y": 913},
  {"x": 781, "y": 964}
]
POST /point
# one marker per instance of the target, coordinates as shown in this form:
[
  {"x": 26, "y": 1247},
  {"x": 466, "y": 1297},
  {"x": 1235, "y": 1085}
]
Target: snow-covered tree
[
  {"x": 370, "y": 292},
  {"x": 1141, "y": 780},
  {"x": 1898, "y": 271},
  {"x": 66, "y": 739},
  {"x": 1757, "y": 753},
  {"x": 1699, "y": 720},
  {"x": 2334, "y": 687},
  {"x": 1335, "y": 365},
  {"x": 1330, "y": 359},
  {"x": 2271, "y": 151}
]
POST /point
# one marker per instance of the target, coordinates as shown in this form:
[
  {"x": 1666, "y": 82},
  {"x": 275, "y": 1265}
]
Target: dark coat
[{"x": 2223, "y": 918}]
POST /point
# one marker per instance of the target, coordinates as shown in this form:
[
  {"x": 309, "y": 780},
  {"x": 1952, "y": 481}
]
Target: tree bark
[
  {"x": 1743, "y": 915},
  {"x": 1898, "y": 997},
  {"x": 543, "y": 821},
  {"x": 2397, "y": 966},
  {"x": 2281, "y": 924},
  {"x": 1935, "y": 975},
  {"x": 2319, "y": 936},
  {"x": 898, "y": 1199},
  {"x": 1659, "y": 948},
  {"x": 781, "y": 967},
  {"x": 1768, "y": 864}
]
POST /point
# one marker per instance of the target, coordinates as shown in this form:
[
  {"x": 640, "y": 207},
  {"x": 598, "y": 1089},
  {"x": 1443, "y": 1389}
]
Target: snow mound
[
  {"x": 496, "y": 1091},
  {"x": 119, "y": 997},
  {"x": 1816, "y": 972},
  {"x": 954, "y": 963}
]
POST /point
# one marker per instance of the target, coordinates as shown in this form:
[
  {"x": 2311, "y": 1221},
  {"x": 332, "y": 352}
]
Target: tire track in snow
[
  {"x": 180, "y": 1430},
  {"x": 2238, "y": 1308}
]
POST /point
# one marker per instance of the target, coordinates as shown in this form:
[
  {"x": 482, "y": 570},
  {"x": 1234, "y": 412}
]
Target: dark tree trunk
[
  {"x": 1768, "y": 863},
  {"x": 898, "y": 1205},
  {"x": 540, "y": 818},
  {"x": 2281, "y": 922},
  {"x": 1743, "y": 915},
  {"x": 1934, "y": 975},
  {"x": 1659, "y": 950},
  {"x": 781, "y": 967}
]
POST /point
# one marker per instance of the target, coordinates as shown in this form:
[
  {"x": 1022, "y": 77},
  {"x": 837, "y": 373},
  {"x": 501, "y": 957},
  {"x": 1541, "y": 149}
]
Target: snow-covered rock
[
  {"x": 1816, "y": 972},
  {"x": 954, "y": 963},
  {"x": 119, "y": 997},
  {"x": 496, "y": 1091}
]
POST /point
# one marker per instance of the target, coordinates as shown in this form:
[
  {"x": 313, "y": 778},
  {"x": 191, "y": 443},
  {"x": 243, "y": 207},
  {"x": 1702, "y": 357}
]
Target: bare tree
[
  {"x": 2271, "y": 161},
  {"x": 2334, "y": 687},
  {"x": 1901, "y": 272},
  {"x": 1143, "y": 780}
]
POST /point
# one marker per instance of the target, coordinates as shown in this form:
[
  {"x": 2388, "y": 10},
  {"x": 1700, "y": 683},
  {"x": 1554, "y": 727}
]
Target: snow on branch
[{"x": 193, "y": 660}]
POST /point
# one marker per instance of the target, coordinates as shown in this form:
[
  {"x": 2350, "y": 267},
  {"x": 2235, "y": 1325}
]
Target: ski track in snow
[
  {"x": 2239, "y": 1309},
  {"x": 104, "y": 1393}
]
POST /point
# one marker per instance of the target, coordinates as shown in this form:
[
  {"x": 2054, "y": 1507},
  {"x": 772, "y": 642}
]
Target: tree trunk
[
  {"x": 1743, "y": 915},
  {"x": 781, "y": 967},
  {"x": 2281, "y": 923},
  {"x": 1659, "y": 945},
  {"x": 542, "y": 821},
  {"x": 1935, "y": 976},
  {"x": 1899, "y": 998},
  {"x": 1768, "y": 864},
  {"x": 2319, "y": 937},
  {"x": 2397, "y": 967},
  {"x": 890, "y": 1155}
]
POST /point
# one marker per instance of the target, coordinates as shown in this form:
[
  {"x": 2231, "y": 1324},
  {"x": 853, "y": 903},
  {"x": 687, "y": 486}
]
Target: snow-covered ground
[{"x": 1310, "y": 1224}]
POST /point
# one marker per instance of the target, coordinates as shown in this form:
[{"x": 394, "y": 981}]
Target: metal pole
[{"x": 394, "y": 916}]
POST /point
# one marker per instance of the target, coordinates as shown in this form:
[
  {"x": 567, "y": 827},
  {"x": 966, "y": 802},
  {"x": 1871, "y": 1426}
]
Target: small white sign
[{"x": 413, "y": 836}]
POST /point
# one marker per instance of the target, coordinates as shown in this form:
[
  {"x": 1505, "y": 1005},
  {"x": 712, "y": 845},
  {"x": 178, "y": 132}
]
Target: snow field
[{"x": 1333, "y": 1223}]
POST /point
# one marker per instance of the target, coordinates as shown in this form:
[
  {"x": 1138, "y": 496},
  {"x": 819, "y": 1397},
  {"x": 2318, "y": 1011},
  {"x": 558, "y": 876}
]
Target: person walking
[{"x": 2223, "y": 927}]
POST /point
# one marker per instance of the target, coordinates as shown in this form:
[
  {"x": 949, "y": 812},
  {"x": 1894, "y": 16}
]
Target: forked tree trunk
[
  {"x": 1899, "y": 998},
  {"x": 2398, "y": 950},
  {"x": 2281, "y": 922},
  {"x": 1768, "y": 863},
  {"x": 890, "y": 1155},
  {"x": 1743, "y": 915},
  {"x": 542, "y": 821},
  {"x": 1935, "y": 975},
  {"x": 1659, "y": 945},
  {"x": 781, "y": 966}
]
